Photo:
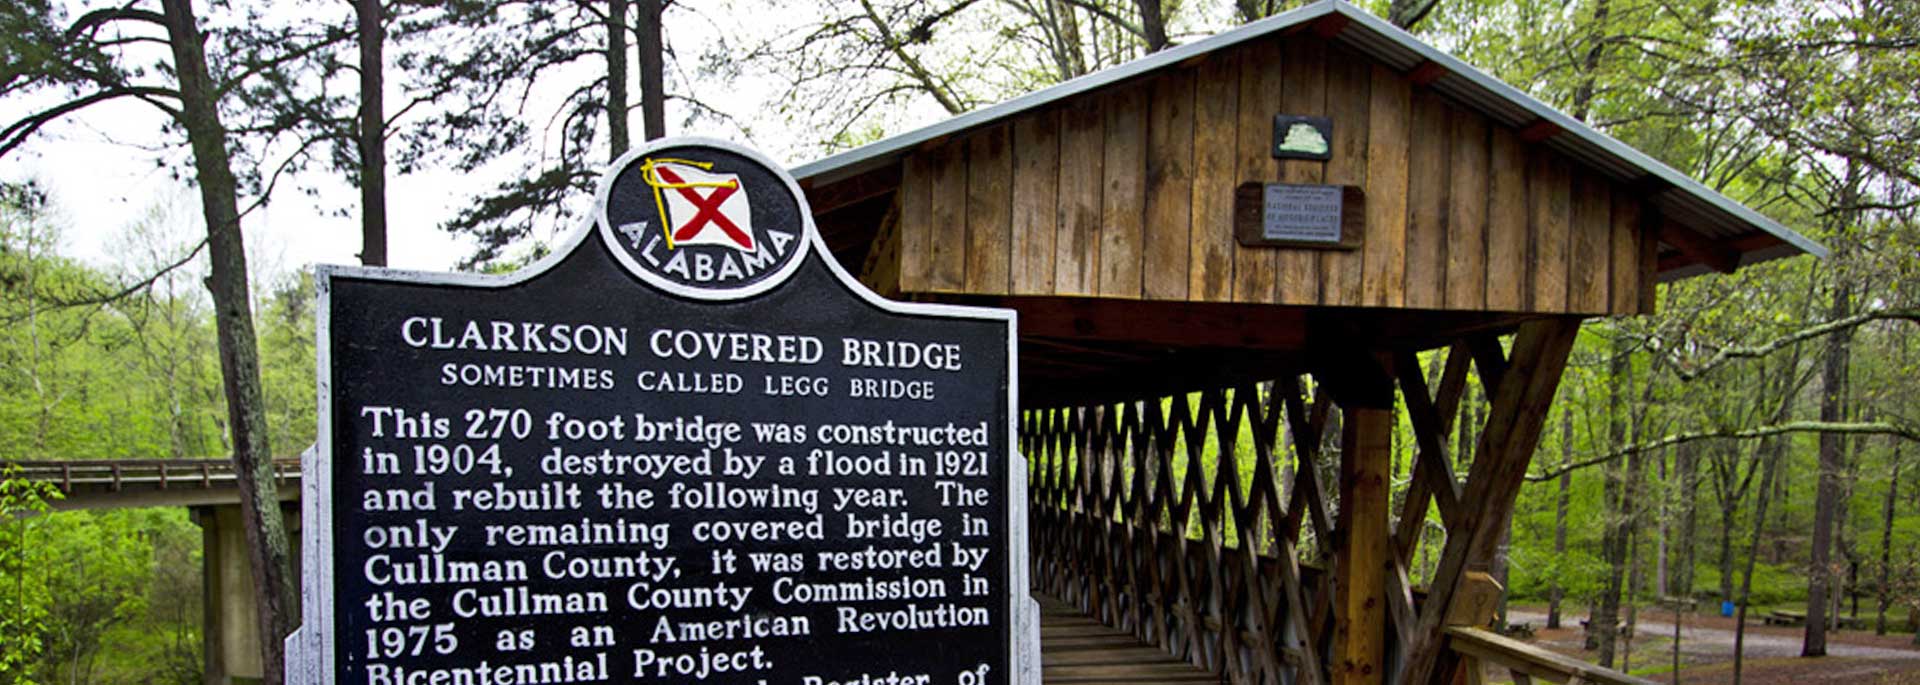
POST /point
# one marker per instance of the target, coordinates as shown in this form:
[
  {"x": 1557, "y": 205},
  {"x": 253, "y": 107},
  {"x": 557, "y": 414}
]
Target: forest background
[{"x": 1755, "y": 439}]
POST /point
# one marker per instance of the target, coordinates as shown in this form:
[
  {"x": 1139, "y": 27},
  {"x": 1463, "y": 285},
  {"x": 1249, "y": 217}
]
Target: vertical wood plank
[
  {"x": 1123, "y": 195},
  {"x": 1361, "y": 555},
  {"x": 1588, "y": 276},
  {"x": 916, "y": 257},
  {"x": 949, "y": 235},
  {"x": 1305, "y": 62},
  {"x": 1467, "y": 211},
  {"x": 1384, "y": 282},
  {"x": 1624, "y": 238},
  {"x": 1549, "y": 192},
  {"x": 1508, "y": 275},
  {"x": 1036, "y": 197},
  {"x": 1169, "y": 186},
  {"x": 1649, "y": 258},
  {"x": 1349, "y": 92},
  {"x": 1260, "y": 92},
  {"x": 1076, "y": 245},
  {"x": 880, "y": 271},
  {"x": 1215, "y": 133},
  {"x": 1427, "y": 187},
  {"x": 989, "y": 223}
]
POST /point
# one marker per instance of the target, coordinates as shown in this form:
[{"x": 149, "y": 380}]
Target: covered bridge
[{"x": 1164, "y": 331}]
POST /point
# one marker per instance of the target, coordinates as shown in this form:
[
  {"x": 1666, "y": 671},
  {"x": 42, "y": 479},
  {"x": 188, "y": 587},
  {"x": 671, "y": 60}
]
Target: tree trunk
[
  {"x": 1636, "y": 583},
  {"x": 1660, "y": 528},
  {"x": 1686, "y": 467},
  {"x": 1728, "y": 504},
  {"x": 616, "y": 28},
  {"x": 1554, "y": 592},
  {"x": 1886, "y": 542},
  {"x": 1772, "y": 467},
  {"x": 1153, "y": 24},
  {"x": 373, "y": 134},
  {"x": 653, "y": 84},
  {"x": 1832, "y": 463},
  {"x": 233, "y": 317},
  {"x": 1406, "y": 13},
  {"x": 1618, "y": 505},
  {"x": 1849, "y": 544}
]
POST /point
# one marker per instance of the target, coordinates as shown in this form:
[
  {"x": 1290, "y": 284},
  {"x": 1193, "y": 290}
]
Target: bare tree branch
[
  {"x": 1823, "y": 427},
  {"x": 1691, "y": 372},
  {"x": 19, "y": 131}
]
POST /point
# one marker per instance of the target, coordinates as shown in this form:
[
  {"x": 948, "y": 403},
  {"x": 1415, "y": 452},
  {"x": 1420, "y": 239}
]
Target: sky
[{"x": 110, "y": 166}]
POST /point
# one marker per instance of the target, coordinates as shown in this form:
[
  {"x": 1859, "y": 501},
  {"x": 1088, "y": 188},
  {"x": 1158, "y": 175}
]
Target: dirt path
[{"x": 1702, "y": 641}]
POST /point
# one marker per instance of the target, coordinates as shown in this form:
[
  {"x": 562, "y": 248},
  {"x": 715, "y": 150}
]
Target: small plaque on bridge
[
  {"x": 1299, "y": 215},
  {"x": 686, "y": 447}
]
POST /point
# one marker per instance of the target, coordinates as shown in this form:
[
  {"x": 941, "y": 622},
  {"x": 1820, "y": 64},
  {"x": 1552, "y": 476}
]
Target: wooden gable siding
[{"x": 1127, "y": 193}]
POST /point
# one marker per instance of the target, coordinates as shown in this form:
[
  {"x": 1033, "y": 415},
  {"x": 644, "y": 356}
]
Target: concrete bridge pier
[{"x": 231, "y": 641}]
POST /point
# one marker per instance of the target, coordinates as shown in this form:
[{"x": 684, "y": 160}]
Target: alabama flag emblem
[{"x": 699, "y": 207}]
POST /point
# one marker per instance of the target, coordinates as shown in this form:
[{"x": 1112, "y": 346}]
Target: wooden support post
[{"x": 1362, "y": 552}]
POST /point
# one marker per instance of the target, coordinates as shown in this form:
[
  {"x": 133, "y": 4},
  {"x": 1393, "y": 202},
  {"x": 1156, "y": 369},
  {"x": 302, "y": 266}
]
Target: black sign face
[
  {"x": 621, "y": 470},
  {"x": 1302, "y": 137}
]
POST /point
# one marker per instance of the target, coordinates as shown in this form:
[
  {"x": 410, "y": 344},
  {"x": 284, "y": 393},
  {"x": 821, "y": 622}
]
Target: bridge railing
[
  {"x": 114, "y": 475},
  {"x": 1527, "y": 663}
]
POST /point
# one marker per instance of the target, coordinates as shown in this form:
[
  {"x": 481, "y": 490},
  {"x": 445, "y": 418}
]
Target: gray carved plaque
[{"x": 1298, "y": 215}]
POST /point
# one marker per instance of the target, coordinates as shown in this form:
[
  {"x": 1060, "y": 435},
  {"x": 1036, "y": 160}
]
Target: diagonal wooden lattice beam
[
  {"x": 1433, "y": 472},
  {"x": 1521, "y": 399}
]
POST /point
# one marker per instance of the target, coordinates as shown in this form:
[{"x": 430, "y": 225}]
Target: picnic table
[{"x": 1784, "y": 617}]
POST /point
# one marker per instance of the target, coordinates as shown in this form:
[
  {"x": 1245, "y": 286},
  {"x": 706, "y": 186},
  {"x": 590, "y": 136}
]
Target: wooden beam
[
  {"x": 1362, "y": 554},
  {"x": 1330, "y": 26},
  {"x": 1355, "y": 377},
  {"x": 850, "y": 191},
  {"x": 1306, "y": 444},
  {"x": 1514, "y": 421},
  {"x": 1491, "y": 361},
  {"x": 1476, "y": 602},
  {"x": 1171, "y": 324},
  {"x": 1698, "y": 248},
  {"x": 881, "y": 269},
  {"x": 1426, "y": 72},
  {"x": 1433, "y": 473},
  {"x": 1523, "y": 658},
  {"x": 1540, "y": 130}
]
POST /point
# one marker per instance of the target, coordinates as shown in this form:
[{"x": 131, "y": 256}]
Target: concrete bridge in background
[{"x": 207, "y": 487}]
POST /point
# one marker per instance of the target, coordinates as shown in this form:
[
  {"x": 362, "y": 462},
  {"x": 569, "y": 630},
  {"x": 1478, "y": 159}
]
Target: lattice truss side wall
[{"x": 1185, "y": 520}]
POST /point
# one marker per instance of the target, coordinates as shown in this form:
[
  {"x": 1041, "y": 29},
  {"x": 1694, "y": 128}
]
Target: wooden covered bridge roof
[{"x": 1102, "y": 210}]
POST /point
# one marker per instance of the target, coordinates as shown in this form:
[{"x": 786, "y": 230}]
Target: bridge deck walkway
[{"x": 1077, "y": 650}]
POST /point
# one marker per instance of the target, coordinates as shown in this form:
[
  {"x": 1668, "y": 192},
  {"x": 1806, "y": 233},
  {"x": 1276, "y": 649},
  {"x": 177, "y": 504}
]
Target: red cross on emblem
[{"x": 687, "y": 213}]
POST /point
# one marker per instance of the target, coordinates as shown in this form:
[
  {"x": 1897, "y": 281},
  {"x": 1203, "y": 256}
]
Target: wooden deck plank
[{"x": 1077, "y": 650}]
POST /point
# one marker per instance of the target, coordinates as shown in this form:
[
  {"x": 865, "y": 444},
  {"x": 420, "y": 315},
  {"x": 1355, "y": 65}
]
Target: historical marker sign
[
  {"x": 1299, "y": 215},
  {"x": 688, "y": 447}
]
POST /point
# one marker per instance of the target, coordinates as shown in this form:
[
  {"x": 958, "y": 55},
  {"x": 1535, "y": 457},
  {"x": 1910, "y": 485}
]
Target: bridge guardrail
[{"x": 115, "y": 474}]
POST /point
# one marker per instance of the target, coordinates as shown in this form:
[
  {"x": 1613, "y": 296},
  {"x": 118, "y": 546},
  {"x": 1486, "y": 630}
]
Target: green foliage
[
  {"x": 114, "y": 596},
  {"x": 23, "y": 599}
]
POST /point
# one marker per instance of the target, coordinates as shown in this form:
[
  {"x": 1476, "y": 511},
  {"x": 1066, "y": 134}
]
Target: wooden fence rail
[
  {"x": 1166, "y": 518},
  {"x": 115, "y": 474}
]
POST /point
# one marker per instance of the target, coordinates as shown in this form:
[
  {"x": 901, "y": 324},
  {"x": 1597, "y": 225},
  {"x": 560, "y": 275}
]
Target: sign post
[{"x": 686, "y": 447}]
